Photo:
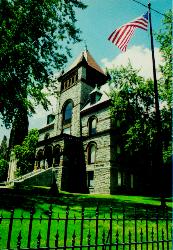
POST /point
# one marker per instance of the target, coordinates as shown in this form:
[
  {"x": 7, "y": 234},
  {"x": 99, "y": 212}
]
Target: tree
[
  {"x": 3, "y": 159},
  {"x": 25, "y": 153},
  {"x": 164, "y": 37},
  {"x": 4, "y": 148},
  {"x": 36, "y": 37},
  {"x": 132, "y": 106}
]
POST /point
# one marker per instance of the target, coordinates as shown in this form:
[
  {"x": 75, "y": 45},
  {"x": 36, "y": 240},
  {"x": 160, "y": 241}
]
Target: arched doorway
[
  {"x": 48, "y": 155},
  {"x": 56, "y": 154}
]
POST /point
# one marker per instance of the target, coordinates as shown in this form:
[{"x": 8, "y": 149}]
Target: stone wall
[
  {"x": 103, "y": 123},
  {"x": 102, "y": 166},
  {"x": 102, "y": 178},
  {"x": 78, "y": 93}
]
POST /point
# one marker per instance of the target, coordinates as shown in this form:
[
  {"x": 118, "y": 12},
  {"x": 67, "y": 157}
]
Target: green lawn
[{"x": 40, "y": 199}]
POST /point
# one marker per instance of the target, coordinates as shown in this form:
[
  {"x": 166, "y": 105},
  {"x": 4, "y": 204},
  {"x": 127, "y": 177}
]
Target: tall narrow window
[
  {"x": 67, "y": 117},
  {"x": 119, "y": 179},
  {"x": 118, "y": 149},
  {"x": 92, "y": 125},
  {"x": 92, "y": 153},
  {"x": 68, "y": 112},
  {"x": 131, "y": 181},
  {"x": 90, "y": 179},
  {"x": 48, "y": 153}
]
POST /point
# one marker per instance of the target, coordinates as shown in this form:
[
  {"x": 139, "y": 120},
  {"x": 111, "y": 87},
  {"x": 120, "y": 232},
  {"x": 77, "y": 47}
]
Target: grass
[{"x": 41, "y": 199}]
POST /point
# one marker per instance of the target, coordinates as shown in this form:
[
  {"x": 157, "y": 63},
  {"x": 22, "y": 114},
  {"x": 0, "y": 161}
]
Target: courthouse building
[{"x": 80, "y": 138}]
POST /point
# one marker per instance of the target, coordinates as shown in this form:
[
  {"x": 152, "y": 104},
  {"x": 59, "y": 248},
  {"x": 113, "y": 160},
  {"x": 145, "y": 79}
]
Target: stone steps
[{"x": 24, "y": 178}]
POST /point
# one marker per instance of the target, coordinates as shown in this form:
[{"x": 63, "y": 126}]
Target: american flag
[{"x": 122, "y": 35}]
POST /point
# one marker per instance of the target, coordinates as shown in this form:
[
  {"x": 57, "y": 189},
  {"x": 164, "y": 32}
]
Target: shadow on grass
[{"x": 42, "y": 198}]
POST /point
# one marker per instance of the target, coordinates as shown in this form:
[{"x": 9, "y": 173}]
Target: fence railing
[{"x": 132, "y": 229}]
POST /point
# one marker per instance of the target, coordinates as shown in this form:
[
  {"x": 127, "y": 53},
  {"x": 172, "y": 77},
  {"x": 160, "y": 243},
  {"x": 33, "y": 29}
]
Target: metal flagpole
[{"x": 158, "y": 116}]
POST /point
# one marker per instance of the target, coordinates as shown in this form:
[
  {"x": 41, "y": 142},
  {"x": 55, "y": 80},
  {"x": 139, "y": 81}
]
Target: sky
[{"x": 97, "y": 22}]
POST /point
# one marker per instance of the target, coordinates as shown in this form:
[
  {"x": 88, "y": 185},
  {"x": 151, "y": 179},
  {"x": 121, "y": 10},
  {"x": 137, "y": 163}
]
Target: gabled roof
[
  {"x": 104, "y": 98},
  {"x": 89, "y": 59}
]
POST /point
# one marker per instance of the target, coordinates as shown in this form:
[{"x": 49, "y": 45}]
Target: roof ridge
[
  {"x": 92, "y": 63},
  {"x": 89, "y": 59}
]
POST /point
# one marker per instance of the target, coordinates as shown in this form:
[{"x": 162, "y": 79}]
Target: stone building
[{"x": 80, "y": 138}]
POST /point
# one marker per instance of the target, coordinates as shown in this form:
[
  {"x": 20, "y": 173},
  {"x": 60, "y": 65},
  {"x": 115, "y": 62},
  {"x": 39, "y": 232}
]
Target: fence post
[
  {"x": 10, "y": 228},
  {"x": 162, "y": 239},
  {"x": 30, "y": 227},
  {"x": 89, "y": 239},
  {"x": 103, "y": 239},
  {"x": 167, "y": 230},
  {"x": 117, "y": 240},
  {"x": 38, "y": 240},
  {"x": 152, "y": 238},
  {"x": 66, "y": 225},
  {"x": 19, "y": 240},
  {"x": 141, "y": 233},
  {"x": 135, "y": 230},
  {"x": 123, "y": 227},
  {"x": 96, "y": 236},
  {"x": 49, "y": 225},
  {"x": 130, "y": 240},
  {"x": 157, "y": 227},
  {"x": 110, "y": 230},
  {"x": 73, "y": 239},
  {"x": 82, "y": 227},
  {"x": 147, "y": 228},
  {"x": 56, "y": 240}
]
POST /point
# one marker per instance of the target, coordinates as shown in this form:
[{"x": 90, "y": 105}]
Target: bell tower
[{"x": 75, "y": 86}]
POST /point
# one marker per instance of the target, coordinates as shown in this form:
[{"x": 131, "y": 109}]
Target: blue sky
[{"x": 97, "y": 22}]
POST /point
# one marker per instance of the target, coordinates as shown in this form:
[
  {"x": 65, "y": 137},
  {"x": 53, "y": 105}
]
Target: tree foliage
[
  {"x": 3, "y": 159},
  {"x": 133, "y": 106},
  {"x": 36, "y": 37},
  {"x": 25, "y": 153},
  {"x": 164, "y": 37}
]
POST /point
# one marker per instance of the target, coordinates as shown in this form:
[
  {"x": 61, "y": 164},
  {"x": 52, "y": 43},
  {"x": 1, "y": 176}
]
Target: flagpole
[{"x": 158, "y": 116}]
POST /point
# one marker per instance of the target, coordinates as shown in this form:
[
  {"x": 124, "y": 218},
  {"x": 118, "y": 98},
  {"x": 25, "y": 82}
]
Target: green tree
[
  {"x": 25, "y": 152},
  {"x": 36, "y": 37},
  {"x": 3, "y": 159},
  {"x": 164, "y": 37},
  {"x": 132, "y": 105}
]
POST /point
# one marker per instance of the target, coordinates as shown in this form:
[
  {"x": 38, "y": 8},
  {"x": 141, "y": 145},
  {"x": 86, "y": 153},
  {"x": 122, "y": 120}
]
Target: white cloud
[{"x": 139, "y": 57}]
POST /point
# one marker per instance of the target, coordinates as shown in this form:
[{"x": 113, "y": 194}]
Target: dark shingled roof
[{"x": 89, "y": 59}]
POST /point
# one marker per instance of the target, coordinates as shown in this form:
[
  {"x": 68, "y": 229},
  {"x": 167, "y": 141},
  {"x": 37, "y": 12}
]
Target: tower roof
[
  {"x": 96, "y": 90},
  {"x": 89, "y": 59}
]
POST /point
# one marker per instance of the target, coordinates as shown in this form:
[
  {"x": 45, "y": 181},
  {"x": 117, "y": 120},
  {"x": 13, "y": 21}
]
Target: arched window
[
  {"x": 92, "y": 123},
  {"x": 67, "y": 117},
  {"x": 91, "y": 153},
  {"x": 40, "y": 158}
]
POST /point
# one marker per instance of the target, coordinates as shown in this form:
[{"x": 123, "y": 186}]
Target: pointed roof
[
  {"x": 96, "y": 90},
  {"x": 85, "y": 55},
  {"x": 103, "y": 100}
]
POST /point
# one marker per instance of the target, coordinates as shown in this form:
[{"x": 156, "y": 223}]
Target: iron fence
[{"x": 128, "y": 229}]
